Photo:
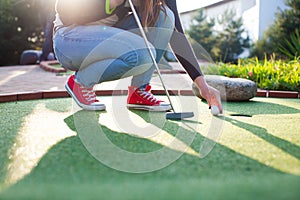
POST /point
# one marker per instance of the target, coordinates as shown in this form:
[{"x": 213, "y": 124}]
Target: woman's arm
[{"x": 186, "y": 56}]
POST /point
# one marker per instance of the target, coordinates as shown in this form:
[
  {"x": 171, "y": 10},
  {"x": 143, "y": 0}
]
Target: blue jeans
[{"x": 102, "y": 53}]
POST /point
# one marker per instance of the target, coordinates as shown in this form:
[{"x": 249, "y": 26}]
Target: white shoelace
[
  {"x": 88, "y": 93},
  {"x": 147, "y": 95}
]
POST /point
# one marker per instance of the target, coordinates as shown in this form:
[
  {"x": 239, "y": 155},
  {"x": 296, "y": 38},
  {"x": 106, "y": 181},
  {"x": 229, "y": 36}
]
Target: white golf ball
[{"x": 214, "y": 110}]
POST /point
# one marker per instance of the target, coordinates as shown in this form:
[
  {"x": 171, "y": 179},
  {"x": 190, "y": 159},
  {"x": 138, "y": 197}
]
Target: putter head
[{"x": 179, "y": 116}]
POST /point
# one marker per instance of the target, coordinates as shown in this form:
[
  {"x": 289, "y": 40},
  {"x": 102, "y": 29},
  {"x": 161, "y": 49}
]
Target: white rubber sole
[
  {"x": 84, "y": 106},
  {"x": 160, "y": 108}
]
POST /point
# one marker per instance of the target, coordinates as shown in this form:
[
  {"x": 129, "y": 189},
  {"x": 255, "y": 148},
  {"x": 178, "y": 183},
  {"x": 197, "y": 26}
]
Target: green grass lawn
[
  {"x": 56, "y": 65},
  {"x": 258, "y": 157}
]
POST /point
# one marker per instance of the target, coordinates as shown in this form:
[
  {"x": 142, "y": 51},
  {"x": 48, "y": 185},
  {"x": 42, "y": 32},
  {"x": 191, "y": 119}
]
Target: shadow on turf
[
  {"x": 253, "y": 107},
  {"x": 132, "y": 142},
  {"x": 284, "y": 145},
  {"x": 69, "y": 165}
]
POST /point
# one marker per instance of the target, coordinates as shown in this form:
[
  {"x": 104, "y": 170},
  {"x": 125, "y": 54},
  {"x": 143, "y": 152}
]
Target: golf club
[{"x": 170, "y": 115}]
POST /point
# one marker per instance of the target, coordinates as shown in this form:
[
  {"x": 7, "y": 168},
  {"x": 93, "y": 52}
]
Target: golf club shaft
[{"x": 137, "y": 19}]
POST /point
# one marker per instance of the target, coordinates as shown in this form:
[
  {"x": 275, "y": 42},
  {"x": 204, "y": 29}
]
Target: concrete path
[
  {"x": 33, "y": 82},
  {"x": 32, "y": 78}
]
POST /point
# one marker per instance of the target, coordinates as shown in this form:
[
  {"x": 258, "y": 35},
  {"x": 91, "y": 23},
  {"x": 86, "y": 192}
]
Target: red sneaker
[
  {"x": 144, "y": 100},
  {"x": 84, "y": 97}
]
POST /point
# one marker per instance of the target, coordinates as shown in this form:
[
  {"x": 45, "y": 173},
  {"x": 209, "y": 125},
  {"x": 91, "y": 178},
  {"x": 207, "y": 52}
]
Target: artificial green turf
[
  {"x": 56, "y": 65},
  {"x": 68, "y": 171}
]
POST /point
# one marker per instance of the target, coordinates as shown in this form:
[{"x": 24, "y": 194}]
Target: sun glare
[{"x": 41, "y": 130}]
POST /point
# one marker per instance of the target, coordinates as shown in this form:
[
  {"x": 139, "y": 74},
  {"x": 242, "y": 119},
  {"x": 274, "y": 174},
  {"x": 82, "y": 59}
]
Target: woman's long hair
[{"x": 149, "y": 11}]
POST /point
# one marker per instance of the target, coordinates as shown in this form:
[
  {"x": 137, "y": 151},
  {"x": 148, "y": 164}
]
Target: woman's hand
[
  {"x": 209, "y": 93},
  {"x": 115, "y": 3}
]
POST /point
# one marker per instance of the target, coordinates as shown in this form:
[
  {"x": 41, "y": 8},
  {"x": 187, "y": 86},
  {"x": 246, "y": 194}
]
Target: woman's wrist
[{"x": 201, "y": 83}]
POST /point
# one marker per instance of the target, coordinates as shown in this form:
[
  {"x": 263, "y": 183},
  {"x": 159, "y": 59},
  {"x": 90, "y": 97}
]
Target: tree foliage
[
  {"x": 280, "y": 34},
  {"x": 200, "y": 24},
  {"x": 223, "y": 45},
  {"x": 20, "y": 29},
  {"x": 232, "y": 39}
]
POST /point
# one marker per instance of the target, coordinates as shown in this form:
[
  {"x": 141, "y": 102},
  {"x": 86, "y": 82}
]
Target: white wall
[
  {"x": 251, "y": 20},
  {"x": 267, "y": 12},
  {"x": 217, "y": 11}
]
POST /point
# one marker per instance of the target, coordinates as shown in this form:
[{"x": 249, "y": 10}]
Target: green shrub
[
  {"x": 292, "y": 49},
  {"x": 267, "y": 74},
  {"x": 20, "y": 29}
]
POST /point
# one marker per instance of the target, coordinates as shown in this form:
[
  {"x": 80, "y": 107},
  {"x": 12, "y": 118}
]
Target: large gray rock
[{"x": 232, "y": 89}]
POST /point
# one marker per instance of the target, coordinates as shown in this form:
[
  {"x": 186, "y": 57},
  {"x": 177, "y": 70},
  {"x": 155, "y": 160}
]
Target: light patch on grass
[
  {"x": 42, "y": 129},
  {"x": 252, "y": 137},
  {"x": 130, "y": 123},
  {"x": 271, "y": 139}
]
